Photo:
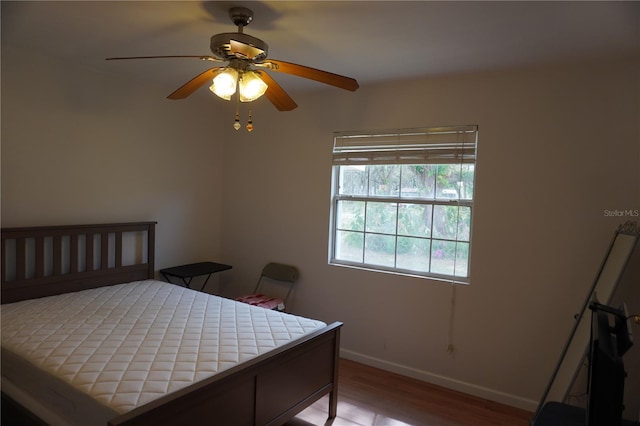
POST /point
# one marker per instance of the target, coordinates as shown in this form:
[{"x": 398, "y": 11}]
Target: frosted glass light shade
[
  {"x": 251, "y": 86},
  {"x": 224, "y": 84}
]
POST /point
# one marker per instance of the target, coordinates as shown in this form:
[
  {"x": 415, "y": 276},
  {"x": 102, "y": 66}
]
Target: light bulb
[
  {"x": 224, "y": 84},
  {"x": 251, "y": 86}
]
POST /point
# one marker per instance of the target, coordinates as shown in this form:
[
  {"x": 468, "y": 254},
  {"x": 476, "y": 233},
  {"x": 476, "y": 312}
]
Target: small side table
[{"x": 187, "y": 272}]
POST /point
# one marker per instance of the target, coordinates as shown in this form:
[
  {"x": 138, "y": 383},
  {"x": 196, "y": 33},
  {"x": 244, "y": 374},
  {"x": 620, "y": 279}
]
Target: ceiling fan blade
[
  {"x": 325, "y": 77},
  {"x": 276, "y": 94},
  {"x": 244, "y": 50},
  {"x": 195, "y": 83},
  {"x": 202, "y": 57}
]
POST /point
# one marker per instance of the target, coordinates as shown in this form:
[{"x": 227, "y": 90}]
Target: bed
[{"x": 67, "y": 283}]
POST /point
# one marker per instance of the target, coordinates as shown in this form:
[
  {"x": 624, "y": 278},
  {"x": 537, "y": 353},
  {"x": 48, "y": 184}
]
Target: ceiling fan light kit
[{"x": 244, "y": 52}]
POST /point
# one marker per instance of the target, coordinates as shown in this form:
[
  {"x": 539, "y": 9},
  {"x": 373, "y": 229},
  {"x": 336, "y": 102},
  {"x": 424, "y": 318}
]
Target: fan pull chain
[
  {"x": 250, "y": 122},
  {"x": 236, "y": 123}
]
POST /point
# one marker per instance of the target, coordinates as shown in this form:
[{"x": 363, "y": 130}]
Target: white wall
[
  {"x": 83, "y": 147},
  {"x": 557, "y": 146}
]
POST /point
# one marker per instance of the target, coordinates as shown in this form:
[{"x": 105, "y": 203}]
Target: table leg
[{"x": 205, "y": 282}]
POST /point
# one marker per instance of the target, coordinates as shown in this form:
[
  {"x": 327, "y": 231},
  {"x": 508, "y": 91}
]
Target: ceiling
[{"x": 371, "y": 41}]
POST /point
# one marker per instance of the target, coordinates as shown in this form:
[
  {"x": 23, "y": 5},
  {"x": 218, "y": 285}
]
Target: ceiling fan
[{"x": 246, "y": 70}]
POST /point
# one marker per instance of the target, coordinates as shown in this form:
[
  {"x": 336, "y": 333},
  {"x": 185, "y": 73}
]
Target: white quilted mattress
[{"x": 128, "y": 344}]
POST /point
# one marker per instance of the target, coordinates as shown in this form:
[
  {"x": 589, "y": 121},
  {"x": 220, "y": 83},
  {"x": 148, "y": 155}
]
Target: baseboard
[{"x": 446, "y": 382}]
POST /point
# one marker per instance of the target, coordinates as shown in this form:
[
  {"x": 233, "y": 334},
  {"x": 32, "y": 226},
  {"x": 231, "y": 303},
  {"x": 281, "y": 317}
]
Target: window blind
[{"x": 429, "y": 145}]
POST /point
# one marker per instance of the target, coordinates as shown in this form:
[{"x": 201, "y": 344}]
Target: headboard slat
[
  {"x": 118, "y": 259},
  {"x": 21, "y": 263},
  {"x": 89, "y": 251},
  {"x": 104, "y": 250},
  {"x": 3, "y": 262},
  {"x": 73, "y": 253},
  {"x": 57, "y": 255},
  {"x": 151, "y": 253},
  {"x": 39, "y": 257}
]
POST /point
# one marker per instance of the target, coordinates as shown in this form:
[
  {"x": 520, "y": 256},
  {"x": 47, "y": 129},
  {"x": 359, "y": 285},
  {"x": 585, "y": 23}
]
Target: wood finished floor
[{"x": 371, "y": 397}]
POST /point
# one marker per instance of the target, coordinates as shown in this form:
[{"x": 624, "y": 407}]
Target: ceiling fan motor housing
[{"x": 221, "y": 46}]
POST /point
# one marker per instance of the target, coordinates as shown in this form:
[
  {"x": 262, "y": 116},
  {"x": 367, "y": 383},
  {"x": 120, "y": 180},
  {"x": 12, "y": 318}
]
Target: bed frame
[{"x": 267, "y": 390}]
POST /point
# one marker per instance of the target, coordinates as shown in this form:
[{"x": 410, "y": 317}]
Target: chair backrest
[{"x": 279, "y": 272}]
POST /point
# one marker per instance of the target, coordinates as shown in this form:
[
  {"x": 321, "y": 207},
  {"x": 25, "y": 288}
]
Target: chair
[{"x": 274, "y": 272}]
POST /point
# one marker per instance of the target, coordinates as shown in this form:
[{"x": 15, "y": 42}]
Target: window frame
[{"x": 398, "y": 200}]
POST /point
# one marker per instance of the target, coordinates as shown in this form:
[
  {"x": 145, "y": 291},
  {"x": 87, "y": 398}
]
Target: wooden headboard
[{"x": 48, "y": 260}]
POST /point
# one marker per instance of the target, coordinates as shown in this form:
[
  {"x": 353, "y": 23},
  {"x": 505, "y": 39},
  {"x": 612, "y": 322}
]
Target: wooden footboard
[{"x": 268, "y": 390}]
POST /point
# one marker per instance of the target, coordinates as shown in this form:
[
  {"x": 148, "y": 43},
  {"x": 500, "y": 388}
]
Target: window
[{"x": 402, "y": 201}]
